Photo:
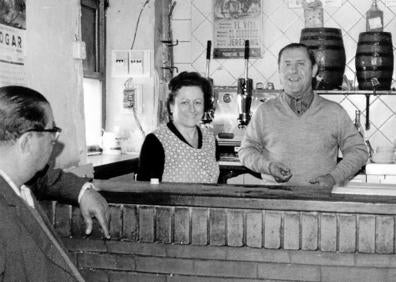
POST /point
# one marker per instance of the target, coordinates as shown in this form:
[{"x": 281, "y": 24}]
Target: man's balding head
[{"x": 21, "y": 108}]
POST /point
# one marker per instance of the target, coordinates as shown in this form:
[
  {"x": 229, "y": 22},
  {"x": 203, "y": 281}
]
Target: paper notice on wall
[
  {"x": 12, "y": 43},
  {"x": 234, "y": 22}
]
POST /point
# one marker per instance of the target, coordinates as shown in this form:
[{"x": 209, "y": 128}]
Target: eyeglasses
[{"x": 55, "y": 131}]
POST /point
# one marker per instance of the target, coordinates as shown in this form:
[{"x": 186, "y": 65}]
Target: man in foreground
[
  {"x": 30, "y": 249},
  {"x": 295, "y": 137}
]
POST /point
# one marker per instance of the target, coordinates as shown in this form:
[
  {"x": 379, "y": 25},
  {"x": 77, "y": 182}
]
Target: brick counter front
[{"x": 174, "y": 232}]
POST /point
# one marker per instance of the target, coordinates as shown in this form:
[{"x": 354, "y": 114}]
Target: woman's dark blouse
[{"x": 152, "y": 154}]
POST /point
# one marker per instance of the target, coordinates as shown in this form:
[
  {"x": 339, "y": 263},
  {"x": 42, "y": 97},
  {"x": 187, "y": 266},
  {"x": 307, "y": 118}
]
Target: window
[{"x": 93, "y": 34}]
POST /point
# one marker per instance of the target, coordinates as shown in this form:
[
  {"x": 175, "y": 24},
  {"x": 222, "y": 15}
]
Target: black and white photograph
[{"x": 197, "y": 140}]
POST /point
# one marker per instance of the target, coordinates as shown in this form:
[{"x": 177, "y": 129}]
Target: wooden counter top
[
  {"x": 105, "y": 159},
  {"x": 108, "y": 166},
  {"x": 274, "y": 197}
]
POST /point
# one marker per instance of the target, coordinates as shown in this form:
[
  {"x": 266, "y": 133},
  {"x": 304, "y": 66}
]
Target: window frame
[{"x": 100, "y": 46}]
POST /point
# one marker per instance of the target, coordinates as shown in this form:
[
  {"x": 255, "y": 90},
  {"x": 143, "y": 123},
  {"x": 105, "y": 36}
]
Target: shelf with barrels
[
  {"x": 355, "y": 92},
  {"x": 274, "y": 93},
  {"x": 373, "y": 61}
]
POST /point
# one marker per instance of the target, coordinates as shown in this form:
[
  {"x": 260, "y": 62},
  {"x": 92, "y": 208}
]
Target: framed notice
[
  {"x": 234, "y": 22},
  {"x": 12, "y": 42}
]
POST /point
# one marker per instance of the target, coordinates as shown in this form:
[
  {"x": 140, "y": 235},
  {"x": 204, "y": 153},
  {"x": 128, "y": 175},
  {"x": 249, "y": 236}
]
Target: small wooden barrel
[
  {"x": 374, "y": 60},
  {"x": 328, "y": 47}
]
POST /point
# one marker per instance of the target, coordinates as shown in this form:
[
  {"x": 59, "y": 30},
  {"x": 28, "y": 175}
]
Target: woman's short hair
[
  {"x": 21, "y": 108},
  {"x": 189, "y": 79}
]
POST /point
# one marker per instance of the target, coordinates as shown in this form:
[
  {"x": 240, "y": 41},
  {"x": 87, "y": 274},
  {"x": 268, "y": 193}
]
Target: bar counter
[
  {"x": 108, "y": 166},
  {"x": 193, "y": 232},
  {"x": 274, "y": 197}
]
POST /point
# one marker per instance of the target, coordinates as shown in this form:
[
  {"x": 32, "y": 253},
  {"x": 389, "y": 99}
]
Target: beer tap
[
  {"x": 209, "y": 113},
  {"x": 374, "y": 82},
  {"x": 244, "y": 94}
]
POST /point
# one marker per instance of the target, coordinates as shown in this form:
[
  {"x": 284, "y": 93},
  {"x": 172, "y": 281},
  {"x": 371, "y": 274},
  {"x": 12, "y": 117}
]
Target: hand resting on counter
[
  {"x": 324, "y": 181},
  {"x": 280, "y": 172},
  {"x": 92, "y": 204}
]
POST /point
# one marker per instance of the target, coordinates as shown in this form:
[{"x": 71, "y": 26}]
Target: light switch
[
  {"x": 136, "y": 63},
  {"x": 131, "y": 63},
  {"x": 139, "y": 63},
  {"x": 120, "y": 63}
]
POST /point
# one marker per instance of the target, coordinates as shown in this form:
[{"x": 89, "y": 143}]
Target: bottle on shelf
[
  {"x": 374, "y": 18},
  {"x": 313, "y": 13},
  {"x": 361, "y": 131},
  {"x": 358, "y": 125}
]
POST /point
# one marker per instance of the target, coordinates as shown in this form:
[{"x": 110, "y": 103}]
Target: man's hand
[
  {"x": 93, "y": 204},
  {"x": 280, "y": 172},
  {"x": 324, "y": 181}
]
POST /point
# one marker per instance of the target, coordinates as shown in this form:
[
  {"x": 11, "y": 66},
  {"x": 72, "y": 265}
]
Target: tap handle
[
  {"x": 246, "y": 49},
  {"x": 374, "y": 82},
  {"x": 208, "y": 49}
]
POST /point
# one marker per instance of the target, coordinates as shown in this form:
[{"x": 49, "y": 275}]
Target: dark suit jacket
[
  {"x": 54, "y": 184},
  {"x": 26, "y": 252}
]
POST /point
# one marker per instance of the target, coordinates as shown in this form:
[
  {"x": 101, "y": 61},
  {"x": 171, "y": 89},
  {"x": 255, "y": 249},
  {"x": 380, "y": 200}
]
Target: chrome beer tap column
[{"x": 244, "y": 94}]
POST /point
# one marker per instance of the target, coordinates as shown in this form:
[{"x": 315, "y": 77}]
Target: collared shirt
[
  {"x": 299, "y": 105},
  {"x": 24, "y": 192}
]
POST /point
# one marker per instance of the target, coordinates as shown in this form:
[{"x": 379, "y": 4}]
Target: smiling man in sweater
[{"x": 295, "y": 137}]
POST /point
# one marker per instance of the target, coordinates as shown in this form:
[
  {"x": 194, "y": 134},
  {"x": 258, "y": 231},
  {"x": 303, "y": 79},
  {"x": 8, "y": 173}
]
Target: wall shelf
[
  {"x": 320, "y": 92},
  {"x": 355, "y": 92}
]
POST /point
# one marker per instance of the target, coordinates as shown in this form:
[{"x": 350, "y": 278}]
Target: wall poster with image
[
  {"x": 234, "y": 22},
  {"x": 12, "y": 42}
]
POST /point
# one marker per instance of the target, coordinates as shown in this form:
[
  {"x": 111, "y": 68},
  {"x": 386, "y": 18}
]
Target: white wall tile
[
  {"x": 182, "y": 10},
  {"x": 282, "y": 25},
  {"x": 181, "y": 30},
  {"x": 182, "y": 53}
]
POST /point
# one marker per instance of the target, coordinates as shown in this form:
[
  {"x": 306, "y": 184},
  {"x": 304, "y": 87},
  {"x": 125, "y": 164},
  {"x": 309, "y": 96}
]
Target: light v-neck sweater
[{"x": 308, "y": 144}]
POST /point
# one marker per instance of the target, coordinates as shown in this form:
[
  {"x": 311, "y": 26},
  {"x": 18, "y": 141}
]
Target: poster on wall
[
  {"x": 12, "y": 39},
  {"x": 234, "y": 22}
]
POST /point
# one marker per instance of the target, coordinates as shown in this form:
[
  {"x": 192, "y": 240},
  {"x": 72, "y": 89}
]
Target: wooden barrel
[
  {"x": 374, "y": 60},
  {"x": 328, "y": 47}
]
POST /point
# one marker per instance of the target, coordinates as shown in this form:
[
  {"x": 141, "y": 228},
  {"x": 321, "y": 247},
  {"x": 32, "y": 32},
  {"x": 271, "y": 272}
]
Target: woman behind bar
[{"x": 182, "y": 151}]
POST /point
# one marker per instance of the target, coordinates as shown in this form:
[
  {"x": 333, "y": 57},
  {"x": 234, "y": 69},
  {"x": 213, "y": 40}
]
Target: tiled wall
[{"x": 192, "y": 25}]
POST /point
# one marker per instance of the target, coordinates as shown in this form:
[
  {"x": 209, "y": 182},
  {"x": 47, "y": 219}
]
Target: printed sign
[
  {"x": 234, "y": 22},
  {"x": 12, "y": 42}
]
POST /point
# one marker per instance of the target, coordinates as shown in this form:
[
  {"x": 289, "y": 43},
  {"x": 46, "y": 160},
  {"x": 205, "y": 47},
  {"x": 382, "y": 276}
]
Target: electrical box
[
  {"x": 131, "y": 63},
  {"x": 132, "y": 99}
]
